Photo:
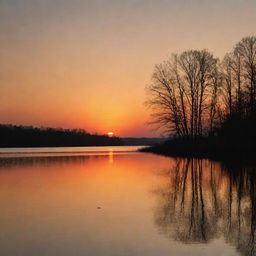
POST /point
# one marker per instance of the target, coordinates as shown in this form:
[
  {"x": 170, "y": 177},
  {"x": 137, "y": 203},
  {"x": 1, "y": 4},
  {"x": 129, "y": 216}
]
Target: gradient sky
[{"x": 85, "y": 64}]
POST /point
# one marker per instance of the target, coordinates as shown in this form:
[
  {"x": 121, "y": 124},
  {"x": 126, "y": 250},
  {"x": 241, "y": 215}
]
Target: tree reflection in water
[{"x": 203, "y": 200}]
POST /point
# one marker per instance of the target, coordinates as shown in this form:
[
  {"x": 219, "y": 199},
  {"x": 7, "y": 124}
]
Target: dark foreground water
[{"x": 115, "y": 202}]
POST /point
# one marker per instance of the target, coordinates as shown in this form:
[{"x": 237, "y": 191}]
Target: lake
[{"x": 114, "y": 201}]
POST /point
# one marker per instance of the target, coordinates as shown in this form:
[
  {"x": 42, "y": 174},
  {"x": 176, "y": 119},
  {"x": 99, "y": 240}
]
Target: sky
[{"x": 86, "y": 63}]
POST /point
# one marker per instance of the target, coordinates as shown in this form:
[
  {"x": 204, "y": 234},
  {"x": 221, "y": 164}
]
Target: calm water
[{"x": 115, "y": 202}]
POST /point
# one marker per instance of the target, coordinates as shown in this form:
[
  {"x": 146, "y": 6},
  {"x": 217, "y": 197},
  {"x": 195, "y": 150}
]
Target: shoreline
[{"x": 205, "y": 149}]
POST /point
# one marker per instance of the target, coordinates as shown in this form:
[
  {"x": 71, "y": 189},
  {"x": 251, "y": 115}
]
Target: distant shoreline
[{"x": 17, "y": 136}]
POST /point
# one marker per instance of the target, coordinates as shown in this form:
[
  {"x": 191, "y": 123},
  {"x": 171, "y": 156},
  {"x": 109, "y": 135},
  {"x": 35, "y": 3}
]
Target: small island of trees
[{"x": 207, "y": 106}]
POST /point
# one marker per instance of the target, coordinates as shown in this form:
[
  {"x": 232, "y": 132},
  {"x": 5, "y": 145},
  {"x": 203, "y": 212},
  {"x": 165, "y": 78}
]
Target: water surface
[{"x": 118, "y": 202}]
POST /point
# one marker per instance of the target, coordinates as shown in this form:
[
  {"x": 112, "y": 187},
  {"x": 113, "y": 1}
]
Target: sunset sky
[{"x": 85, "y": 63}]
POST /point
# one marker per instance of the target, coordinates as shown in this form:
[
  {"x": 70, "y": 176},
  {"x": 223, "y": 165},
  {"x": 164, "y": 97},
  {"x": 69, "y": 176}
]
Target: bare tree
[
  {"x": 227, "y": 82},
  {"x": 245, "y": 50},
  {"x": 183, "y": 93},
  {"x": 238, "y": 70}
]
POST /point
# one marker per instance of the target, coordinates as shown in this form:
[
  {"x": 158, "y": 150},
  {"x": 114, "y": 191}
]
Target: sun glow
[{"x": 110, "y": 134}]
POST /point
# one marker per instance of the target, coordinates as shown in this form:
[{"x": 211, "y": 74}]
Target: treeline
[
  {"x": 28, "y": 136},
  {"x": 195, "y": 95}
]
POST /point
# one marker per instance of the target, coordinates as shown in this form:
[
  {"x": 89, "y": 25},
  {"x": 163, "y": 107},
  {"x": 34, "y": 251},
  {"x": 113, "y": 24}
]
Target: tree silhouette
[
  {"x": 184, "y": 93},
  {"x": 192, "y": 94}
]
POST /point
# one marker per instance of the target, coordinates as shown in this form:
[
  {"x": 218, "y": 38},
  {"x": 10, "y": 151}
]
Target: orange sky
[{"x": 85, "y": 64}]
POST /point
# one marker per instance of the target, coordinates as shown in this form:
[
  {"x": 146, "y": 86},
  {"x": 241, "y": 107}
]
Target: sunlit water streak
[
  {"x": 61, "y": 151},
  {"x": 113, "y": 202}
]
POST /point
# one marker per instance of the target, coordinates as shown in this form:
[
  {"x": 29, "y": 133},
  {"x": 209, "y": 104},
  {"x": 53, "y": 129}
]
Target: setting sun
[{"x": 110, "y": 134}]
